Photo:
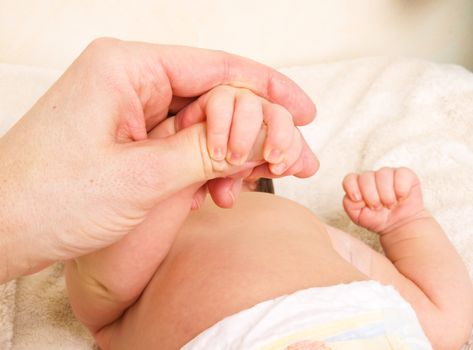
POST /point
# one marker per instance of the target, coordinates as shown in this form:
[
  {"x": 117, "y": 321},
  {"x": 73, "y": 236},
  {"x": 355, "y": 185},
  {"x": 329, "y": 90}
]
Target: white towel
[{"x": 372, "y": 112}]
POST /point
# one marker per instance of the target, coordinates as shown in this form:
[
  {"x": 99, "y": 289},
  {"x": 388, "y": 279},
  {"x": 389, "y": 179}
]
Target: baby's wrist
[{"x": 421, "y": 215}]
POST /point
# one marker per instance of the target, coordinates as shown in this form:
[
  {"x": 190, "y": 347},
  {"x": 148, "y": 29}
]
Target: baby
[{"x": 268, "y": 274}]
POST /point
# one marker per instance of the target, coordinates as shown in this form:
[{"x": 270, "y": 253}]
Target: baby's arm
[
  {"x": 428, "y": 272},
  {"x": 104, "y": 284}
]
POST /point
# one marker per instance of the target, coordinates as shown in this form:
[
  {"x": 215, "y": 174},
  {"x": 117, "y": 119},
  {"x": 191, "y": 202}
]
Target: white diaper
[{"x": 359, "y": 315}]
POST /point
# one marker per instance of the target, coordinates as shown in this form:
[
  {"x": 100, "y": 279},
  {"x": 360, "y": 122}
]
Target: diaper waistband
[{"x": 359, "y": 315}]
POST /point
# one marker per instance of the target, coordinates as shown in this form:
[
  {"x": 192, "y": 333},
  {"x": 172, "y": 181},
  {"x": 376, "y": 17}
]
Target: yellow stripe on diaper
[{"x": 320, "y": 332}]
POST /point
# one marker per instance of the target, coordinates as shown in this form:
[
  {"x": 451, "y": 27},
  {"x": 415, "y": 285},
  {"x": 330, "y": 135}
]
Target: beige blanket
[{"x": 372, "y": 112}]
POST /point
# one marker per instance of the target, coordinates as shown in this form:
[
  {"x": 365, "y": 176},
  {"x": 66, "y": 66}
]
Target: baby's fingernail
[
  {"x": 274, "y": 156},
  {"x": 234, "y": 158},
  {"x": 357, "y": 196},
  {"x": 217, "y": 154},
  {"x": 278, "y": 169}
]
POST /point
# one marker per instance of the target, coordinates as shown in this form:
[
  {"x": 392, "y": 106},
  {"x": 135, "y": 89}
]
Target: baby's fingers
[
  {"x": 369, "y": 191},
  {"x": 247, "y": 121},
  {"x": 219, "y": 112},
  {"x": 216, "y": 108},
  {"x": 291, "y": 156},
  {"x": 280, "y": 132},
  {"x": 351, "y": 188},
  {"x": 307, "y": 164},
  {"x": 385, "y": 186},
  {"x": 404, "y": 180},
  {"x": 353, "y": 209}
]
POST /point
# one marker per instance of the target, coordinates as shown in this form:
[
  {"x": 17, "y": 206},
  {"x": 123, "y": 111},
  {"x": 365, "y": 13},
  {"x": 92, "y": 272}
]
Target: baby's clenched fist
[{"x": 383, "y": 200}]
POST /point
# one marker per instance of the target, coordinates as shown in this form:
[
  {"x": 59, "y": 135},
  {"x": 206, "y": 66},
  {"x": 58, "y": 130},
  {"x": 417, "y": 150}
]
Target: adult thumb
[{"x": 170, "y": 161}]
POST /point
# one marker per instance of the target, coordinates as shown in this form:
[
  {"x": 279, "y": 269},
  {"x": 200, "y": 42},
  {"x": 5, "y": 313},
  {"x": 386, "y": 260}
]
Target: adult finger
[
  {"x": 225, "y": 191},
  {"x": 178, "y": 103},
  {"x": 193, "y": 71}
]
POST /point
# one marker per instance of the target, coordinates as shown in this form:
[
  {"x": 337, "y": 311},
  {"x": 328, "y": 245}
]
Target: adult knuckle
[
  {"x": 105, "y": 60},
  {"x": 105, "y": 50},
  {"x": 100, "y": 45}
]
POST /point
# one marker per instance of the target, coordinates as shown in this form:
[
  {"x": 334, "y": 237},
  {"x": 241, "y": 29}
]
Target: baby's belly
[{"x": 225, "y": 261}]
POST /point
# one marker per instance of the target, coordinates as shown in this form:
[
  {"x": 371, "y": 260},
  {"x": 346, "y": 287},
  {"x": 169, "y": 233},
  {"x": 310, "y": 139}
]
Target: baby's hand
[
  {"x": 234, "y": 118},
  {"x": 383, "y": 200}
]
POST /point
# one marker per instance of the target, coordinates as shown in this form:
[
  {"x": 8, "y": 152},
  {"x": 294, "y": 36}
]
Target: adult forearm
[
  {"x": 12, "y": 262},
  {"x": 19, "y": 254}
]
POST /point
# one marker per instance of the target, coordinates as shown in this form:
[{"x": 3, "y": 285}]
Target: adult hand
[
  {"x": 78, "y": 172},
  {"x": 234, "y": 117}
]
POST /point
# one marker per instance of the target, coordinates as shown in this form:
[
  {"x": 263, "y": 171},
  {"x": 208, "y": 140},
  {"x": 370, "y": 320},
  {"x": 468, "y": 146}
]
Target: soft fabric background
[{"x": 372, "y": 112}]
